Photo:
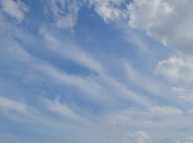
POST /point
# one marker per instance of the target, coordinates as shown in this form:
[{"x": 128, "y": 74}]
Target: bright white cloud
[
  {"x": 139, "y": 137},
  {"x": 167, "y": 21},
  {"x": 176, "y": 68},
  {"x": 109, "y": 10},
  {"x": 15, "y": 9}
]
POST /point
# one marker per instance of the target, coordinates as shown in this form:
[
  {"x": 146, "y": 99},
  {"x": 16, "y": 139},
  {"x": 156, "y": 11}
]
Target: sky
[{"x": 96, "y": 71}]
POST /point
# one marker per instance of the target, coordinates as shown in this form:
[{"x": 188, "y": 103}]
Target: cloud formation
[
  {"x": 176, "y": 68},
  {"x": 164, "y": 111},
  {"x": 107, "y": 90},
  {"x": 56, "y": 106},
  {"x": 183, "y": 93},
  {"x": 109, "y": 10},
  {"x": 168, "y": 22},
  {"x": 65, "y": 12},
  {"x": 144, "y": 118},
  {"x": 7, "y": 104},
  {"x": 15, "y": 9}
]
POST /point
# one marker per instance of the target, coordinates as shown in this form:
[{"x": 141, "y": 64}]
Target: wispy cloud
[
  {"x": 56, "y": 86},
  {"x": 144, "y": 81},
  {"x": 7, "y": 104},
  {"x": 146, "y": 118},
  {"x": 68, "y": 50},
  {"x": 65, "y": 12},
  {"x": 183, "y": 93},
  {"x": 15, "y": 9}
]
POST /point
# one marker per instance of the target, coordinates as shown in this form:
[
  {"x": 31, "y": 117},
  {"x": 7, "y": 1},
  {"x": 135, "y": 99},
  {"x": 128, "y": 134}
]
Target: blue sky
[{"x": 96, "y": 71}]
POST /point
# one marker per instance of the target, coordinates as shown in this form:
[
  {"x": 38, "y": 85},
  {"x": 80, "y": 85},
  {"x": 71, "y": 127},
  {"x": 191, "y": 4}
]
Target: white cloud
[
  {"x": 183, "y": 93},
  {"x": 67, "y": 50},
  {"x": 127, "y": 94},
  {"x": 167, "y": 21},
  {"x": 155, "y": 116},
  {"x": 144, "y": 81},
  {"x": 96, "y": 87},
  {"x": 14, "y": 8},
  {"x": 100, "y": 87},
  {"x": 88, "y": 84},
  {"x": 36, "y": 70},
  {"x": 165, "y": 111},
  {"x": 62, "y": 109},
  {"x": 108, "y": 9},
  {"x": 176, "y": 68},
  {"x": 139, "y": 137},
  {"x": 7, "y": 104},
  {"x": 65, "y": 111},
  {"x": 65, "y": 12}
]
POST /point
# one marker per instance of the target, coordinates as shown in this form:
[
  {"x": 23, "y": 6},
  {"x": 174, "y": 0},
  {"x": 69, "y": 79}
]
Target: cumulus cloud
[
  {"x": 15, "y": 9},
  {"x": 109, "y": 10},
  {"x": 65, "y": 12},
  {"x": 176, "y": 68},
  {"x": 139, "y": 137},
  {"x": 167, "y": 21}
]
